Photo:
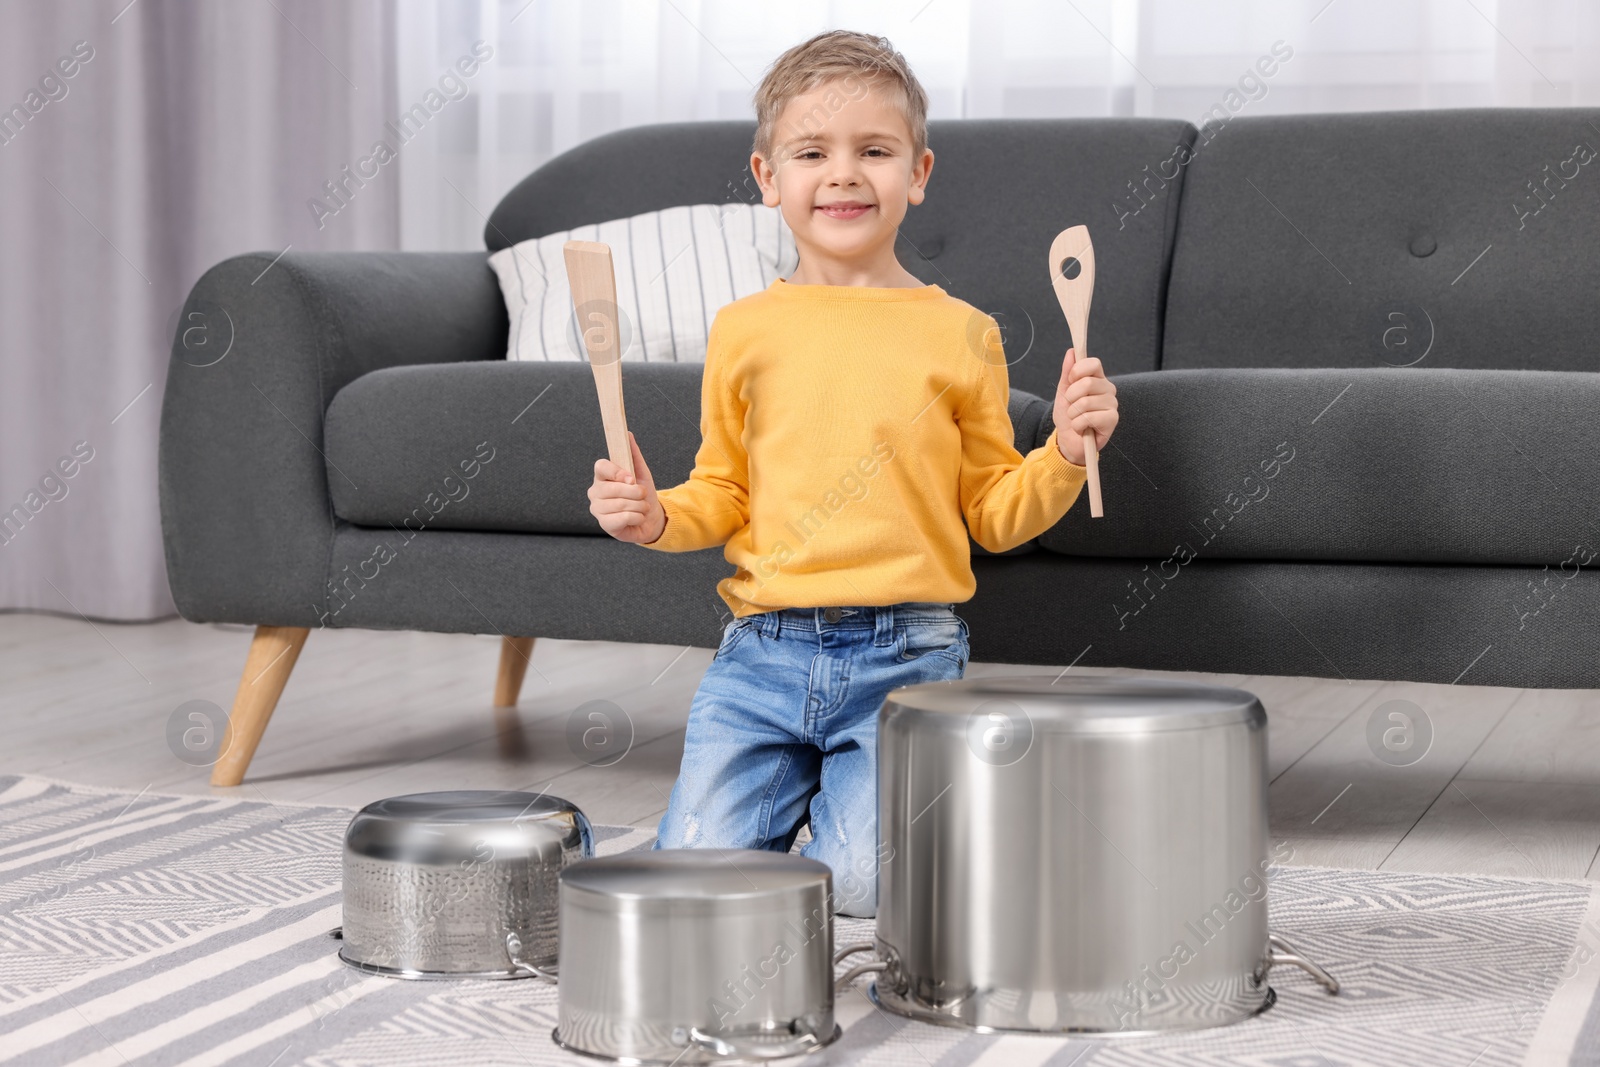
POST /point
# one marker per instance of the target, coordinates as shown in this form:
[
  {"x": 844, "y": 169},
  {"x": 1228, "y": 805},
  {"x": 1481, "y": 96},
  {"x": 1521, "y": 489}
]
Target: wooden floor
[{"x": 1510, "y": 784}]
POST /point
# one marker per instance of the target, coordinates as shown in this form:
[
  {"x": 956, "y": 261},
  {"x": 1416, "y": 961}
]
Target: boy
[{"x": 851, "y": 418}]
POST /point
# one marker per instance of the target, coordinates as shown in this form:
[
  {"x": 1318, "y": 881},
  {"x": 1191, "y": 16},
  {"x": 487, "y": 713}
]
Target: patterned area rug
[{"x": 145, "y": 929}]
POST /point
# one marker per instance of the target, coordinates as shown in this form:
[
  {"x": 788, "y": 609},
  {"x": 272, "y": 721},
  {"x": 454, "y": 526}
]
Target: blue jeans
[{"x": 786, "y": 719}]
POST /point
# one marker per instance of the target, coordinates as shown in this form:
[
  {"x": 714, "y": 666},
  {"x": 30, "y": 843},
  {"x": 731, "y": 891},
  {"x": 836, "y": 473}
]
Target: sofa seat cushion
[
  {"x": 1399, "y": 466},
  {"x": 511, "y": 446}
]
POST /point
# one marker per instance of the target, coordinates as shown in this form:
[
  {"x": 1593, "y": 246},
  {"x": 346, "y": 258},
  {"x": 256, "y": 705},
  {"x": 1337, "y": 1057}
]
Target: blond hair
[{"x": 862, "y": 60}]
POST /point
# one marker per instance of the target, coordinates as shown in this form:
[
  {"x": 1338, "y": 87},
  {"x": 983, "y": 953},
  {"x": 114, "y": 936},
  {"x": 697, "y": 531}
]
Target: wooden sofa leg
[
  {"x": 514, "y": 655},
  {"x": 266, "y": 671}
]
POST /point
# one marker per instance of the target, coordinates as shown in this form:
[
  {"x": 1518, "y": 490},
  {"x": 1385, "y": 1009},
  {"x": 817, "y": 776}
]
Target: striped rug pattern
[{"x": 148, "y": 929}]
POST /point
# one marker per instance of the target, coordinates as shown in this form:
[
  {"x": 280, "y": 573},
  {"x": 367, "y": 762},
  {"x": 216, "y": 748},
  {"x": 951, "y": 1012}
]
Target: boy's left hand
[{"x": 1085, "y": 400}]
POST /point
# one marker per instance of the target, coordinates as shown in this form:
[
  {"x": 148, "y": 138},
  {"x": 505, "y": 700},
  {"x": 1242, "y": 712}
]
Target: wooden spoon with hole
[
  {"x": 594, "y": 296},
  {"x": 1072, "y": 274}
]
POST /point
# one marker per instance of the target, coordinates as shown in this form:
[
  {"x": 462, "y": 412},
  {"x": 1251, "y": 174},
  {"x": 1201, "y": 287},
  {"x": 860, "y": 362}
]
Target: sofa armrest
[{"x": 262, "y": 347}]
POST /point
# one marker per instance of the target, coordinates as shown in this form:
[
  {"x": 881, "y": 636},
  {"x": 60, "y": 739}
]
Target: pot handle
[
  {"x": 843, "y": 981},
  {"x": 1287, "y": 953},
  {"x": 514, "y": 954},
  {"x": 726, "y": 1044},
  {"x": 871, "y": 967},
  {"x": 850, "y": 950}
]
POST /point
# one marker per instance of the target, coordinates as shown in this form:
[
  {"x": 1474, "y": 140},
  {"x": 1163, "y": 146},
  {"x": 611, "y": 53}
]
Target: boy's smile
[
  {"x": 844, "y": 209},
  {"x": 843, "y": 174}
]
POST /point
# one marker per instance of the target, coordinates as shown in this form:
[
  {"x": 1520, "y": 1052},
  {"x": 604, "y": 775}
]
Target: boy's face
[{"x": 844, "y": 143}]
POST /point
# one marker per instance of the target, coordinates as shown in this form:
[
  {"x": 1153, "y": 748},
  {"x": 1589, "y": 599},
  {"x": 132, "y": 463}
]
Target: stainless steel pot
[
  {"x": 1081, "y": 855},
  {"x": 693, "y": 956},
  {"x": 460, "y": 884}
]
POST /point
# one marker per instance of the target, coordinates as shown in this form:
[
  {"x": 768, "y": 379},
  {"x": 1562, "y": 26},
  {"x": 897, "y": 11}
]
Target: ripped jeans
[{"x": 786, "y": 720}]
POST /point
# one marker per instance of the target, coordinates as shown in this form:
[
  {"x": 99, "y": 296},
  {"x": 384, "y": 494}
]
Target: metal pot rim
[
  {"x": 682, "y": 1060},
  {"x": 1082, "y": 705},
  {"x": 789, "y": 904},
  {"x": 674, "y": 875},
  {"x": 911, "y": 1008}
]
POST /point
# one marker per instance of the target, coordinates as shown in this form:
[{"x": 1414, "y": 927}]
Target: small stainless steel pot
[
  {"x": 1078, "y": 855},
  {"x": 460, "y": 884},
  {"x": 691, "y": 956}
]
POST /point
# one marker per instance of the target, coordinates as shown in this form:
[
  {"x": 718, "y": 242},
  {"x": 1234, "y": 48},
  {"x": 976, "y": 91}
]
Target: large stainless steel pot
[
  {"x": 459, "y": 884},
  {"x": 1086, "y": 854},
  {"x": 691, "y": 956}
]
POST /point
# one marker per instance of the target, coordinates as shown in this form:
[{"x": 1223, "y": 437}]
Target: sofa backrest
[
  {"x": 1001, "y": 189},
  {"x": 1458, "y": 238}
]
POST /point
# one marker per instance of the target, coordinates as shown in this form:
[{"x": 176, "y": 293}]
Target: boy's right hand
[{"x": 627, "y": 507}]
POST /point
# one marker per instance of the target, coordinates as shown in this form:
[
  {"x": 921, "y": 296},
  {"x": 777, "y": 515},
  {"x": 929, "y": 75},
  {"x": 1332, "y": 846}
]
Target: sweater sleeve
[
  {"x": 714, "y": 503},
  {"x": 1008, "y": 498}
]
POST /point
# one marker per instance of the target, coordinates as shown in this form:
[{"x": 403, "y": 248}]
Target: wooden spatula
[
  {"x": 1072, "y": 253},
  {"x": 594, "y": 296}
]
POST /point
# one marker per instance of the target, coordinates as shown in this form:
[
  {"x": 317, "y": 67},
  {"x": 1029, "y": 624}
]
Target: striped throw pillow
[{"x": 674, "y": 269}]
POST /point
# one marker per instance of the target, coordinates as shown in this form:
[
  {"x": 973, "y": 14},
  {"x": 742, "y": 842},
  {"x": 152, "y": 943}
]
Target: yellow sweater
[{"x": 845, "y": 433}]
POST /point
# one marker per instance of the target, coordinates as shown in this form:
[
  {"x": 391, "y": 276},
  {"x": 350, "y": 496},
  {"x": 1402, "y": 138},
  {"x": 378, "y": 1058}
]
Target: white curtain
[
  {"x": 564, "y": 72},
  {"x": 186, "y": 132}
]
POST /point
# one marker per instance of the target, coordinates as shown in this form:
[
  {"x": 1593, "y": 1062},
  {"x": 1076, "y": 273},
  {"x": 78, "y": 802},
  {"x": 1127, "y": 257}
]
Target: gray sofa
[{"x": 1355, "y": 356}]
